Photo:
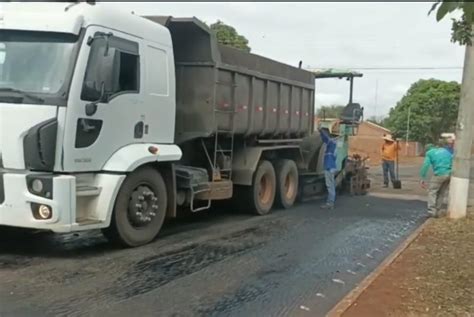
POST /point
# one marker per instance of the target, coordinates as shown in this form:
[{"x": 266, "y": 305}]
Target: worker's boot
[{"x": 327, "y": 206}]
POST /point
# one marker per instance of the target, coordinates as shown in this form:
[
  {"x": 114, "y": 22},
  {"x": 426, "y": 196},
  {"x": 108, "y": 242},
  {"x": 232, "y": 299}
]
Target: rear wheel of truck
[
  {"x": 287, "y": 183},
  {"x": 260, "y": 196},
  {"x": 139, "y": 210}
]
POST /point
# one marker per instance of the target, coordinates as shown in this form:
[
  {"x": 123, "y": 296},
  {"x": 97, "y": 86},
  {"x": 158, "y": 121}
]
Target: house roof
[{"x": 377, "y": 126}]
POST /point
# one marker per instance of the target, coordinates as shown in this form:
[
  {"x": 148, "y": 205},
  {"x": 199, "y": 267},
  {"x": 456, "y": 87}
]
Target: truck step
[
  {"x": 218, "y": 190},
  {"x": 86, "y": 191},
  {"x": 87, "y": 221}
]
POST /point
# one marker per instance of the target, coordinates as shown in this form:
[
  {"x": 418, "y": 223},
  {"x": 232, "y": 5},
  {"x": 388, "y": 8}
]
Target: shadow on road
[{"x": 17, "y": 241}]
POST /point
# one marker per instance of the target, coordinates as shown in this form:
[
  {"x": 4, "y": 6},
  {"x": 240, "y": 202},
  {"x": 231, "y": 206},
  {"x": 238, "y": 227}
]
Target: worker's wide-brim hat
[{"x": 388, "y": 137}]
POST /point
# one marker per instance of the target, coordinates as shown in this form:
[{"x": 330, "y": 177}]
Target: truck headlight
[
  {"x": 44, "y": 212},
  {"x": 40, "y": 185},
  {"x": 41, "y": 212},
  {"x": 37, "y": 186}
]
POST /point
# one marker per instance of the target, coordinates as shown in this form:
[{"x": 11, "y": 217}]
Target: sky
[{"x": 339, "y": 35}]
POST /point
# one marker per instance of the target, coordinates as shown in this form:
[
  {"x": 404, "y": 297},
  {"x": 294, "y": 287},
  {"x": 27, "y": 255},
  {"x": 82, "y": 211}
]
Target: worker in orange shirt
[{"x": 389, "y": 155}]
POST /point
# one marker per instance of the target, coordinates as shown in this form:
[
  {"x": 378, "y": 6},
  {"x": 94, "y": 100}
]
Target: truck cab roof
[{"x": 70, "y": 17}]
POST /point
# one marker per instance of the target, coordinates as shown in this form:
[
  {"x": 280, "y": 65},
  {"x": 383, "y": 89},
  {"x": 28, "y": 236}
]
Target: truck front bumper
[{"x": 19, "y": 205}]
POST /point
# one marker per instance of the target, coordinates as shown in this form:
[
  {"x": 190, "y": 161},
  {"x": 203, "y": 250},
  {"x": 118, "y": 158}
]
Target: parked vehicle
[{"x": 114, "y": 121}]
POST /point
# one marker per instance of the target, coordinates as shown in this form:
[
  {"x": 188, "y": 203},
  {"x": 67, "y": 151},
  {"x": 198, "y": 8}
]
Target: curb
[
  {"x": 408, "y": 197},
  {"x": 343, "y": 305}
]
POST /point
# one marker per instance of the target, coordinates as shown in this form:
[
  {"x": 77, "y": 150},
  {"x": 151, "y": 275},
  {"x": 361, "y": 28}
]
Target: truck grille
[{"x": 2, "y": 189}]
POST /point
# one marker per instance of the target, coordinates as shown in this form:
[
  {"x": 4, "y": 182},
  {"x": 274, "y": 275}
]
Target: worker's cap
[{"x": 388, "y": 137}]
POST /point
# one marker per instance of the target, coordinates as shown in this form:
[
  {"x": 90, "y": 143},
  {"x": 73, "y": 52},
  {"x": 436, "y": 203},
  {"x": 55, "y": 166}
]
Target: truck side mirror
[
  {"x": 90, "y": 91},
  {"x": 91, "y": 108},
  {"x": 102, "y": 70}
]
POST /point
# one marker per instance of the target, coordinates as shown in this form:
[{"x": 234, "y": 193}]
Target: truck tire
[
  {"x": 287, "y": 183},
  {"x": 139, "y": 210},
  {"x": 259, "y": 197}
]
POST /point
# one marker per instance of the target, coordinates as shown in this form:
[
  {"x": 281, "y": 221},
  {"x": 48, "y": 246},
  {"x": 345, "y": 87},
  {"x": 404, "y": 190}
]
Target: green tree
[
  {"x": 384, "y": 122},
  {"x": 462, "y": 27},
  {"x": 433, "y": 107},
  {"x": 333, "y": 111},
  {"x": 227, "y": 35}
]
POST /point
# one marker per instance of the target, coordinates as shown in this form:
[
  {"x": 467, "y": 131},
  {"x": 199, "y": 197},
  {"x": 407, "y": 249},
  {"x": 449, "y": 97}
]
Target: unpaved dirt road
[{"x": 219, "y": 263}]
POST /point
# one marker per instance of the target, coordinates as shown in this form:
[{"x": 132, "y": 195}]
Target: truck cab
[
  {"x": 87, "y": 94},
  {"x": 114, "y": 121}
]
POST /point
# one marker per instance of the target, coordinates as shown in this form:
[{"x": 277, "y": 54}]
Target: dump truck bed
[{"x": 225, "y": 90}]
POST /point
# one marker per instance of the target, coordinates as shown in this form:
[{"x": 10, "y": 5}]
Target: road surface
[{"x": 219, "y": 263}]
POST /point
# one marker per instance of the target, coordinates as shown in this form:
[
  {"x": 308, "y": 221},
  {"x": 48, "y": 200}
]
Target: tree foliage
[
  {"x": 228, "y": 35},
  {"x": 462, "y": 27},
  {"x": 433, "y": 106},
  {"x": 333, "y": 111}
]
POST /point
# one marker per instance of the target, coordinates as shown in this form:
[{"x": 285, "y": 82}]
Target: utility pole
[
  {"x": 408, "y": 131},
  {"x": 376, "y": 97},
  {"x": 459, "y": 187}
]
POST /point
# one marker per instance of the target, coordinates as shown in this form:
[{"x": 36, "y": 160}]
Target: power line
[
  {"x": 409, "y": 68},
  {"x": 393, "y": 68}
]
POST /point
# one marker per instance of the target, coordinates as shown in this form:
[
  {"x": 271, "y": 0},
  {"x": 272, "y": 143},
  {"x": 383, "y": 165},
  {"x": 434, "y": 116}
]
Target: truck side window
[{"x": 113, "y": 69}]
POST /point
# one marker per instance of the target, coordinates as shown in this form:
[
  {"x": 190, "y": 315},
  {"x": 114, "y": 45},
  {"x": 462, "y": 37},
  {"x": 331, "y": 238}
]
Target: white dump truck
[{"x": 113, "y": 121}]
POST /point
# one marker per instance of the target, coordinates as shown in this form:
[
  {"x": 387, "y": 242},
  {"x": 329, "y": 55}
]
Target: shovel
[{"x": 397, "y": 183}]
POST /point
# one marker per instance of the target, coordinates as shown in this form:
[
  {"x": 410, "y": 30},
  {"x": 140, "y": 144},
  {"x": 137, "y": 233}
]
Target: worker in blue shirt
[
  {"x": 440, "y": 160},
  {"x": 329, "y": 167}
]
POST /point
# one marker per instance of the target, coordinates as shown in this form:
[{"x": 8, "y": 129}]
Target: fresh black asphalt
[{"x": 219, "y": 263}]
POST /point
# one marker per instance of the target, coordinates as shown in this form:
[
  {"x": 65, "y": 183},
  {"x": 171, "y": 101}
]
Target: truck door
[{"x": 105, "y": 110}]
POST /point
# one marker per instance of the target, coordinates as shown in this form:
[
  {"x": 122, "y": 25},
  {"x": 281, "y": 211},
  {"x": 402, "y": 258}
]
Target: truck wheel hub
[
  {"x": 289, "y": 186},
  {"x": 265, "y": 191},
  {"x": 143, "y": 206}
]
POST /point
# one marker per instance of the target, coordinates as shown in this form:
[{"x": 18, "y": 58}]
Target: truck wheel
[
  {"x": 287, "y": 183},
  {"x": 139, "y": 210},
  {"x": 261, "y": 195}
]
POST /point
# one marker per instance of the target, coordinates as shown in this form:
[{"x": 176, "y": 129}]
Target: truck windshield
[{"x": 34, "y": 66}]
